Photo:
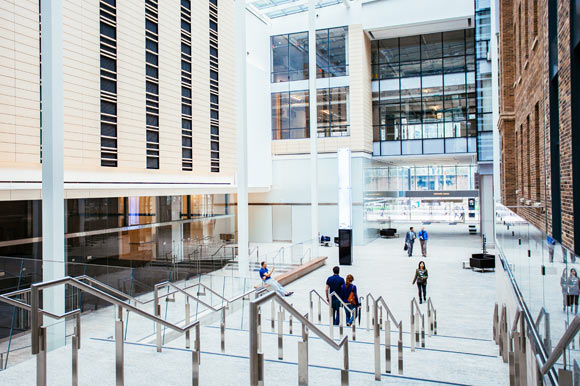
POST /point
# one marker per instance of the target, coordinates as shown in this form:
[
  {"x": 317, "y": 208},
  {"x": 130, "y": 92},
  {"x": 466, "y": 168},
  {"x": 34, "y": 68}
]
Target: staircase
[{"x": 430, "y": 353}]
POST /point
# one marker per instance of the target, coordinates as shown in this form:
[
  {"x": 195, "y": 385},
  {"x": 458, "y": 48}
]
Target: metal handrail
[
  {"x": 415, "y": 305},
  {"x": 560, "y": 348},
  {"x": 389, "y": 313},
  {"x": 515, "y": 322},
  {"x": 545, "y": 316},
  {"x": 309, "y": 252},
  {"x": 378, "y": 303},
  {"x": 415, "y": 310},
  {"x": 431, "y": 317},
  {"x": 255, "y": 365}
]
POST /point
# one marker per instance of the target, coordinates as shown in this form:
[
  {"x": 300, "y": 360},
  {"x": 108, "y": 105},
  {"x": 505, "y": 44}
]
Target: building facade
[
  {"x": 149, "y": 127},
  {"x": 538, "y": 83},
  {"x": 405, "y": 92}
]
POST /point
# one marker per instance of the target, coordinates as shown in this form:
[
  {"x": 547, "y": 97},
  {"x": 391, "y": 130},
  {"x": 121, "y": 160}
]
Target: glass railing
[
  {"x": 138, "y": 285},
  {"x": 541, "y": 267}
]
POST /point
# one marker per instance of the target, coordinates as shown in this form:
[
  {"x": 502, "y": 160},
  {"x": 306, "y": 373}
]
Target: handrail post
[
  {"x": 195, "y": 358},
  {"x": 523, "y": 354},
  {"x": 368, "y": 314},
  {"x": 435, "y": 321},
  {"x": 377, "y": 342},
  {"x": 303, "y": 358},
  {"x": 223, "y": 330},
  {"x": 388, "y": 346},
  {"x": 273, "y": 320},
  {"x": 280, "y": 334},
  {"x": 119, "y": 350},
  {"x": 422, "y": 330},
  {"x": 157, "y": 312},
  {"x": 400, "y": 347},
  {"x": 254, "y": 360},
  {"x": 344, "y": 371},
  {"x": 290, "y": 321},
  {"x": 331, "y": 318},
  {"x": 341, "y": 320},
  {"x": 187, "y": 319},
  {"x": 41, "y": 356},
  {"x": 353, "y": 325},
  {"x": 495, "y": 323},
  {"x": 259, "y": 328},
  {"x": 311, "y": 313},
  {"x": 412, "y": 325},
  {"x": 319, "y": 310},
  {"x": 75, "y": 352}
]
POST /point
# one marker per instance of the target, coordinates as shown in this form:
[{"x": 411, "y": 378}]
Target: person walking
[
  {"x": 573, "y": 290},
  {"x": 267, "y": 279},
  {"x": 564, "y": 285},
  {"x": 421, "y": 276},
  {"x": 350, "y": 297},
  {"x": 334, "y": 284},
  {"x": 551, "y": 243},
  {"x": 409, "y": 241},
  {"x": 423, "y": 237}
]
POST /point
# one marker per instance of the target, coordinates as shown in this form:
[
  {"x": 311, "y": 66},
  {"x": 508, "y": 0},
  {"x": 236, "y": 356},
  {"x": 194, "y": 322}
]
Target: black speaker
[{"x": 345, "y": 246}]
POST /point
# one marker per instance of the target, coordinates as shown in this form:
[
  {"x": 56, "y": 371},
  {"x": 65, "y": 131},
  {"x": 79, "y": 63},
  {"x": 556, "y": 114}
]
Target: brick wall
[{"x": 524, "y": 123}]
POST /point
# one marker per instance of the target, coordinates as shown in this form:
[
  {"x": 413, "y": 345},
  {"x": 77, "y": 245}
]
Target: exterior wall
[
  {"x": 524, "y": 82},
  {"x": 20, "y": 99}
]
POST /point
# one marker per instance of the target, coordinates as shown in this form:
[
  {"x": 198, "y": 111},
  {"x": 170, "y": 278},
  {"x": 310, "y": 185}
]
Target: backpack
[{"x": 351, "y": 298}]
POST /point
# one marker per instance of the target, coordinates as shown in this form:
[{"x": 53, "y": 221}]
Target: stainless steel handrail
[
  {"x": 416, "y": 311},
  {"x": 256, "y": 358},
  {"x": 431, "y": 317},
  {"x": 560, "y": 348},
  {"x": 380, "y": 302},
  {"x": 320, "y": 300},
  {"x": 38, "y": 331},
  {"x": 545, "y": 316},
  {"x": 309, "y": 252}
]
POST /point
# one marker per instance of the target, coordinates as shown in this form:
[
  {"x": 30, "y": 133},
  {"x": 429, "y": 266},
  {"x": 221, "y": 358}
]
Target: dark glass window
[{"x": 108, "y": 30}]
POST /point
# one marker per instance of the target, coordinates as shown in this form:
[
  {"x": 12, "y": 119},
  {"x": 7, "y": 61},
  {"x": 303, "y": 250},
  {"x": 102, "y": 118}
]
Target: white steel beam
[{"x": 313, "y": 124}]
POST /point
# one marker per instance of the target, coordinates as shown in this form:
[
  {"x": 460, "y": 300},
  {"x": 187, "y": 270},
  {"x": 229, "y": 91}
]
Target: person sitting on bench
[{"x": 272, "y": 283}]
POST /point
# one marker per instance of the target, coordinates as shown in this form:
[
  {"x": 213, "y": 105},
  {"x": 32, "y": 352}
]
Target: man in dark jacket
[
  {"x": 334, "y": 284},
  {"x": 410, "y": 240}
]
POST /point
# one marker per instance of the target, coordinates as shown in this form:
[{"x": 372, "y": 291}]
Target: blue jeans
[
  {"x": 349, "y": 312},
  {"x": 335, "y": 311},
  {"x": 274, "y": 285}
]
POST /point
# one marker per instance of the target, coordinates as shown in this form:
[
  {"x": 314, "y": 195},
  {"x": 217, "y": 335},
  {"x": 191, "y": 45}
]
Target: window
[
  {"x": 332, "y": 112},
  {"x": 108, "y": 54},
  {"x": 151, "y": 85},
  {"x": 290, "y": 115},
  {"x": 424, "y": 90},
  {"x": 186, "y": 87},
  {"x": 289, "y": 57},
  {"x": 214, "y": 88},
  {"x": 331, "y": 52}
]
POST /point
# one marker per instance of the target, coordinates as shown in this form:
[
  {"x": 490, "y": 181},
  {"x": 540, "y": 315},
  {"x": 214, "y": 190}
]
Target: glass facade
[
  {"x": 421, "y": 178},
  {"x": 483, "y": 80},
  {"x": 289, "y": 55},
  {"x": 424, "y": 99},
  {"x": 290, "y": 113}
]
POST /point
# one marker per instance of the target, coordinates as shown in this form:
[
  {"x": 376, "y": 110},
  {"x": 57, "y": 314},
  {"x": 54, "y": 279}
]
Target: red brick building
[{"x": 538, "y": 80}]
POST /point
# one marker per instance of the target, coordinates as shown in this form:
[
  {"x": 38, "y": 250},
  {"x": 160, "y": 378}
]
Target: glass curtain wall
[
  {"x": 421, "y": 178},
  {"x": 424, "y": 94},
  {"x": 290, "y": 113},
  {"x": 483, "y": 80}
]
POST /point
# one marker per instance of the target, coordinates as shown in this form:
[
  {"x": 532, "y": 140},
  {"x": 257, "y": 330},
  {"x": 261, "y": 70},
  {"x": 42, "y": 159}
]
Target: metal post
[
  {"x": 435, "y": 321},
  {"x": 280, "y": 337},
  {"x": 254, "y": 360},
  {"x": 223, "y": 330},
  {"x": 157, "y": 311},
  {"x": 303, "y": 358},
  {"x": 412, "y": 335},
  {"x": 195, "y": 368},
  {"x": 547, "y": 340},
  {"x": 273, "y": 315},
  {"x": 423, "y": 331},
  {"x": 319, "y": 310},
  {"x": 523, "y": 354},
  {"x": 341, "y": 320},
  {"x": 330, "y": 318},
  {"x": 400, "y": 348},
  {"x": 354, "y": 325},
  {"x": 368, "y": 317},
  {"x": 260, "y": 369},
  {"x": 377, "y": 343},
  {"x": 311, "y": 313},
  {"x": 119, "y": 354},
  {"x": 344, "y": 371},
  {"x": 514, "y": 356},
  {"x": 75, "y": 358},
  {"x": 417, "y": 328},
  {"x": 35, "y": 319},
  {"x": 290, "y": 321},
  {"x": 41, "y": 358},
  {"x": 388, "y": 346},
  {"x": 197, "y": 342},
  {"x": 495, "y": 322},
  {"x": 187, "y": 318},
  {"x": 381, "y": 317},
  {"x": 259, "y": 328}
]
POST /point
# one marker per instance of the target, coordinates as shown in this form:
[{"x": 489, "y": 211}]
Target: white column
[
  {"x": 313, "y": 124},
  {"x": 242, "y": 137},
  {"x": 53, "y": 254}
]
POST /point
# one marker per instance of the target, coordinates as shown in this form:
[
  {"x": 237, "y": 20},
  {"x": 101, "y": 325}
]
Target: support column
[
  {"x": 312, "y": 98},
  {"x": 242, "y": 138},
  {"x": 53, "y": 254}
]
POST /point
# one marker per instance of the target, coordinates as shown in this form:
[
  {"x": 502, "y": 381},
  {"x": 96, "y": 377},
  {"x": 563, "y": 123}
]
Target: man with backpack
[
  {"x": 423, "y": 237},
  {"x": 350, "y": 297}
]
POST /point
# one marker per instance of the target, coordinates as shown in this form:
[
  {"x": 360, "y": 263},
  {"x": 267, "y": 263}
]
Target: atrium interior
[{"x": 280, "y": 192}]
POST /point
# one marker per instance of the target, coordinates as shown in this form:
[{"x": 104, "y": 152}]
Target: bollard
[
  {"x": 187, "y": 318},
  {"x": 280, "y": 331}
]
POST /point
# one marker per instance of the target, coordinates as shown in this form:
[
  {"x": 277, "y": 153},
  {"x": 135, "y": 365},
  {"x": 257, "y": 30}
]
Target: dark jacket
[
  {"x": 410, "y": 237},
  {"x": 345, "y": 293},
  {"x": 421, "y": 277}
]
